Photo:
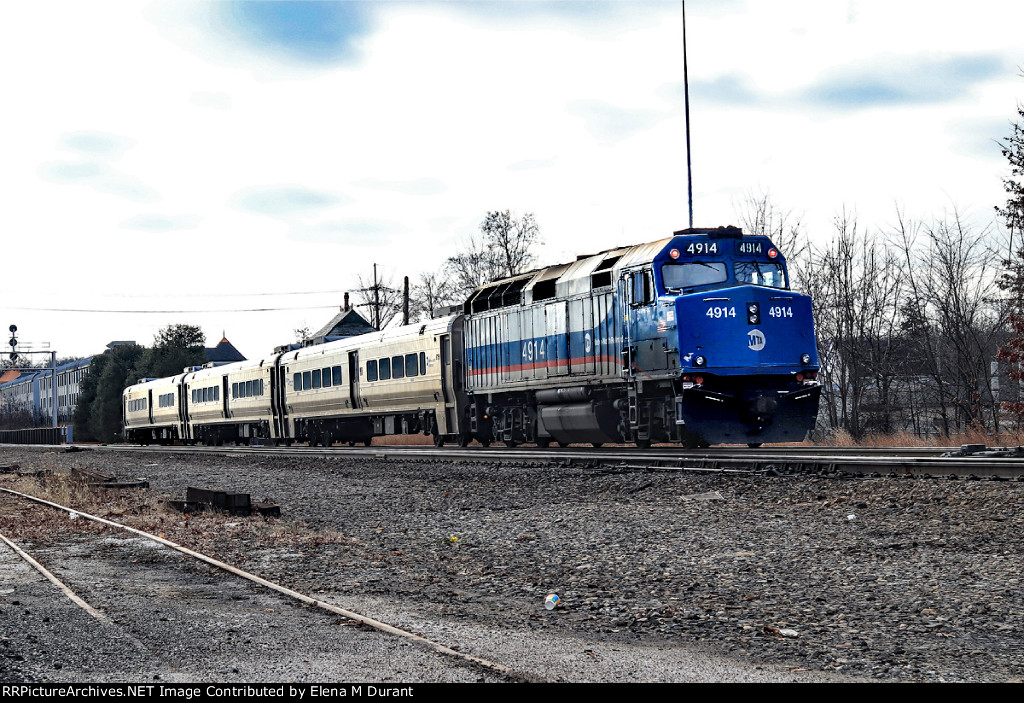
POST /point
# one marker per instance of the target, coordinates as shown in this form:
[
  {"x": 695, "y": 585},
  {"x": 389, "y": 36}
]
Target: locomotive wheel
[
  {"x": 597, "y": 444},
  {"x": 351, "y": 443},
  {"x": 511, "y": 443},
  {"x": 463, "y": 440},
  {"x": 563, "y": 444},
  {"x": 438, "y": 440},
  {"x": 368, "y": 442},
  {"x": 485, "y": 442},
  {"x": 643, "y": 443},
  {"x": 543, "y": 442},
  {"x": 754, "y": 445}
]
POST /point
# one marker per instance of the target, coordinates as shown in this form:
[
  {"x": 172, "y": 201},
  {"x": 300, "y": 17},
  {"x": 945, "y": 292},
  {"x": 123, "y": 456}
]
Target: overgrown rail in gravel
[{"x": 461, "y": 657}]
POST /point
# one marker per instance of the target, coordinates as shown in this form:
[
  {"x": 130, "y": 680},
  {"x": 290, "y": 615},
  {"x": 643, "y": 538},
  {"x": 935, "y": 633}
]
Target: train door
[
  {"x": 353, "y": 380},
  {"x": 224, "y": 394},
  {"x": 184, "y": 433},
  {"x": 276, "y": 413},
  {"x": 279, "y": 399},
  {"x": 644, "y": 349},
  {"x": 149, "y": 404},
  {"x": 604, "y": 362},
  {"x": 581, "y": 336},
  {"x": 556, "y": 354},
  {"x": 446, "y": 421}
]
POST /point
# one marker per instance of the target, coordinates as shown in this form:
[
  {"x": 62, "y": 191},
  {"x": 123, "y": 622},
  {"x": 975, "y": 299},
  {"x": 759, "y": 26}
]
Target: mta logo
[{"x": 755, "y": 340}]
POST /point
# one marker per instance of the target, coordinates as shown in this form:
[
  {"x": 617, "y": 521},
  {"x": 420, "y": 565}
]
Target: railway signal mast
[{"x": 18, "y": 350}]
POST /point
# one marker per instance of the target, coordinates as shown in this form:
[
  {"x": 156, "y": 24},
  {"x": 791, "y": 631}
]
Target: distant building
[
  {"x": 6, "y": 377},
  {"x": 347, "y": 323},
  {"x": 32, "y": 391},
  {"x": 223, "y": 353}
]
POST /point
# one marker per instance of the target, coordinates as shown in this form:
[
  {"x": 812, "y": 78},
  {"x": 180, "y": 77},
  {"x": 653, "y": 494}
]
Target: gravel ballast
[{"x": 659, "y": 574}]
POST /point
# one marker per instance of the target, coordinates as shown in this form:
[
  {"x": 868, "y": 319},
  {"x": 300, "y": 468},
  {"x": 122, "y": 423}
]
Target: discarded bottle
[{"x": 551, "y": 601}]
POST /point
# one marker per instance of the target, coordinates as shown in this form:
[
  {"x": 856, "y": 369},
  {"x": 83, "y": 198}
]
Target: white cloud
[{"x": 169, "y": 157}]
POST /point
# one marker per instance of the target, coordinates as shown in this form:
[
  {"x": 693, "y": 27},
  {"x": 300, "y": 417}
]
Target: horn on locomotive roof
[{"x": 728, "y": 232}]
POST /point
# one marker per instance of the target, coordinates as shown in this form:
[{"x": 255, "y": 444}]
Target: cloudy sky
[{"x": 194, "y": 161}]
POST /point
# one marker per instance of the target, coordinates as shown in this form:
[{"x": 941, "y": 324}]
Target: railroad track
[
  {"x": 129, "y": 594},
  {"x": 977, "y": 462}
]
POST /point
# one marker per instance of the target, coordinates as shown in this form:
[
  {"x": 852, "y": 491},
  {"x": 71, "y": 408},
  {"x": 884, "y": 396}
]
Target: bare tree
[
  {"x": 759, "y": 215},
  {"x": 432, "y": 291},
  {"x": 857, "y": 285},
  {"x": 512, "y": 238},
  {"x": 949, "y": 316},
  {"x": 381, "y": 299},
  {"x": 504, "y": 246}
]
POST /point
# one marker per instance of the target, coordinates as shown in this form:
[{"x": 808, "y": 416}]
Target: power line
[
  {"x": 170, "y": 312},
  {"x": 221, "y": 295}
]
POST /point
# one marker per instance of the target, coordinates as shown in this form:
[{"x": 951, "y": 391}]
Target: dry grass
[{"x": 842, "y": 438}]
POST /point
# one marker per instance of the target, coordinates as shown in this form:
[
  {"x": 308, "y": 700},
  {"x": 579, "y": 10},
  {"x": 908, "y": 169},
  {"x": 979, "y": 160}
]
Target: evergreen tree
[
  {"x": 1012, "y": 280},
  {"x": 175, "y": 347}
]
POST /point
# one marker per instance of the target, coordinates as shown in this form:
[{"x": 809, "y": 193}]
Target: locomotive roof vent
[{"x": 729, "y": 232}]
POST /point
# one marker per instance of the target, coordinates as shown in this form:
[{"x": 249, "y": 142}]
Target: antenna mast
[{"x": 686, "y": 102}]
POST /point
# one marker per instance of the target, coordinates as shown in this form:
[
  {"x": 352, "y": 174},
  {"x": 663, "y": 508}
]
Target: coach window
[
  {"x": 384, "y": 366},
  {"x": 411, "y": 367},
  {"x": 297, "y": 382},
  {"x": 325, "y": 374},
  {"x": 248, "y": 389},
  {"x": 307, "y": 380},
  {"x": 234, "y": 390},
  {"x": 398, "y": 367},
  {"x": 336, "y": 375},
  {"x": 423, "y": 363},
  {"x": 316, "y": 378},
  {"x": 371, "y": 370}
]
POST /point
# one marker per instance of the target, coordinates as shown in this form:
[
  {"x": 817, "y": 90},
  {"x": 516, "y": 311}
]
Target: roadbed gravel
[{"x": 663, "y": 576}]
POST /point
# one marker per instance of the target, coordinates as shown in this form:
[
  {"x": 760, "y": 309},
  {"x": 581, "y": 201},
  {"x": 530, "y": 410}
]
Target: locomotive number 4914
[
  {"x": 702, "y": 248},
  {"x": 718, "y": 313}
]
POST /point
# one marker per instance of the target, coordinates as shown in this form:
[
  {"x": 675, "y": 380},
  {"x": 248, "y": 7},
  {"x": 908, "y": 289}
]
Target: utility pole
[
  {"x": 376, "y": 298},
  {"x": 405, "y": 301}
]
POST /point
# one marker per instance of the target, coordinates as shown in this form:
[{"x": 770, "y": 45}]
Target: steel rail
[
  {"x": 74, "y": 597},
  {"x": 896, "y": 461},
  {"x": 503, "y": 671}
]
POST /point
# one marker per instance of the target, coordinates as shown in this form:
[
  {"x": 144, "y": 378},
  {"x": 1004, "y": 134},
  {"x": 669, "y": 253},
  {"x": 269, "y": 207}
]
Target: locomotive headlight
[
  {"x": 805, "y": 359},
  {"x": 754, "y": 313},
  {"x": 699, "y": 361}
]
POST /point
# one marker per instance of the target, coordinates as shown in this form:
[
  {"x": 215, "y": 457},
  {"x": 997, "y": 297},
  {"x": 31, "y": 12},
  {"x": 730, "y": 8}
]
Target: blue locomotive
[{"x": 694, "y": 339}]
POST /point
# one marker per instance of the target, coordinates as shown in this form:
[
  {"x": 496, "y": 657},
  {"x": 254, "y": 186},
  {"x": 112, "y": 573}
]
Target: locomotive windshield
[
  {"x": 760, "y": 273},
  {"x": 690, "y": 274}
]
